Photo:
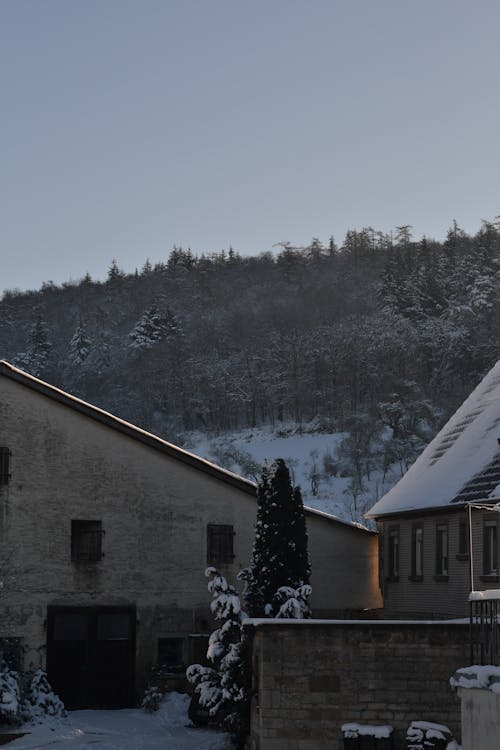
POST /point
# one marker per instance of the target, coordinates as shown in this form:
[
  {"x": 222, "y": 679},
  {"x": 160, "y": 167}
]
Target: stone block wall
[{"x": 311, "y": 677}]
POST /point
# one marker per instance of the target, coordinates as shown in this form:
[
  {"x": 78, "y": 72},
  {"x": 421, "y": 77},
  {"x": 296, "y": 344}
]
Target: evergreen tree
[
  {"x": 153, "y": 326},
  {"x": 280, "y": 557},
  {"x": 79, "y": 346},
  {"x": 35, "y": 359}
]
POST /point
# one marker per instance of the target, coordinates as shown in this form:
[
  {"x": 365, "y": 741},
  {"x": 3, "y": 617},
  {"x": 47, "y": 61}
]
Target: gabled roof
[
  {"x": 461, "y": 464},
  {"x": 104, "y": 417},
  {"x": 147, "y": 438}
]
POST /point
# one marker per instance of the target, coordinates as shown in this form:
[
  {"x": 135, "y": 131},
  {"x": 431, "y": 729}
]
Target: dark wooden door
[{"x": 91, "y": 656}]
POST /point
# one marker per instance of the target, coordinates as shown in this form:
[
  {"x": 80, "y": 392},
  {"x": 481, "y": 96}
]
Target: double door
[{"x": 91, "y": 656}]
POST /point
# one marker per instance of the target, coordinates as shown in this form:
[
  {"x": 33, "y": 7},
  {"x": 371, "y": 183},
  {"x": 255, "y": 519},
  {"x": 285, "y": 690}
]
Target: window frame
[
  {"x": 83, "y": 530},
  {"x": 393, "y": 552},
  {"x": 442, "y": 560},
  {"x": 180, "y": 664},
  {"x": 5, "y": 456},
  {"x": 490, "y": 548},
  {"x": 463, "y": 539},
  {"x": 417, "y": 572},
  {"x": 220, "y": 544}
]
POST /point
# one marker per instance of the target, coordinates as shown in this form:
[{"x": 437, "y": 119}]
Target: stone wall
[{"x": 312, "y": 677}]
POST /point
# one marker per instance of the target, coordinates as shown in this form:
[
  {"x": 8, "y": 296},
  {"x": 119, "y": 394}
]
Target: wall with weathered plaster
[
  {"x": 480, "y": 719},
  {"x": 154, "y": 511},
  {"x": 310, "y": 678}
]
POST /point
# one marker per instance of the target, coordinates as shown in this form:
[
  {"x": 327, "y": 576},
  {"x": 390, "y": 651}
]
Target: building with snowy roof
[
  {"x": 105, "y": 531},
  {"x": 439, "y": 523}
]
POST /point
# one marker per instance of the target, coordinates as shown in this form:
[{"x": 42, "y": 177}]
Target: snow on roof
[{"x": 461, "y": 464}]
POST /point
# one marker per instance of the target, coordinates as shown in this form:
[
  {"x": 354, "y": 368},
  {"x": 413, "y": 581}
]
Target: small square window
[
  {"x": 220, "y": 543},
  {"x": 11, "y": 653},
  {"x": 4, "y": 465},
  {"x": 86, "y": 541},
  {"x": 170, "y": 654}
]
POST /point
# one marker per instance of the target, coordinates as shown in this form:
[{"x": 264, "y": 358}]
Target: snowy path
[{"x": 130, "y": 729}]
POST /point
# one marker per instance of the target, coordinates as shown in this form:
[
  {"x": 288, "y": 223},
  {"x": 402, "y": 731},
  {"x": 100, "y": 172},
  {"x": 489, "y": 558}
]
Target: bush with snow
[
  {"x": 10, "y": 696},
  {"x": 151, "y": 699},
  {"x": 222, "y": 687},
  {"x": 40, "y": 700},
  {"x": 293, "y": 604}
]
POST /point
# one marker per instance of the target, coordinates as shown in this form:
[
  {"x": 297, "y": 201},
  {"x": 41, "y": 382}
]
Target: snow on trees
[
  {"x": 10, "y": 696},
  {"x": 293, "y": 603},
  {"x": 79, "y": 346},
  {"x": 40, "y": 700},
  {"x": 222, "y": 687},
  {"x": 280, "y": 559},
  {"x": 153, "y": 326},
  {"x": 36, "y": 356}
]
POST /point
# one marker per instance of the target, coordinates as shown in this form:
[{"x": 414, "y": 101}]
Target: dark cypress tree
[{"x": 280, "y": 556}]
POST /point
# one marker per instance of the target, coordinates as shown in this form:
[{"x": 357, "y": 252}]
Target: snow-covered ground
[
  {"x": 129, "y": 729},
  {"x": 312, "y": 458}
]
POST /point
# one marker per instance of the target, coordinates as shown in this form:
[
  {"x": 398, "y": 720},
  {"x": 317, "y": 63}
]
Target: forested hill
[{"x": 381, "y": 336}]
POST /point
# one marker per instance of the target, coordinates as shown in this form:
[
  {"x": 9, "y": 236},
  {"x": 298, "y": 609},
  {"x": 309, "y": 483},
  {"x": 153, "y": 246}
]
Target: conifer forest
[{"x": 383, "y": 331}]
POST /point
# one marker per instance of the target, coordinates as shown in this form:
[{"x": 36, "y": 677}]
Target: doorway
[{"x": 91, "y": 656}]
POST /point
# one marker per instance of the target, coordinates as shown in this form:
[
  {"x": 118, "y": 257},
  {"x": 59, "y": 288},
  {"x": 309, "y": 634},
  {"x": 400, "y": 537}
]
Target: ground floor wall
[
  {"x": 309, "y": 678},
  {"x": 77, "y": 629}
]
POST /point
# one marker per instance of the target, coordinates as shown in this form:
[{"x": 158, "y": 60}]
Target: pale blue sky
[{"x": 129, "y": 125}]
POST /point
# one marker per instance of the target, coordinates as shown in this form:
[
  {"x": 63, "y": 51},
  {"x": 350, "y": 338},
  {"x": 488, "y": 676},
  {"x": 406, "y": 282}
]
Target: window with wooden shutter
[
  {"x": 86, "y": 541},
  {"x": 4, "y": 465},
  {"x": 220, "y": 543}
]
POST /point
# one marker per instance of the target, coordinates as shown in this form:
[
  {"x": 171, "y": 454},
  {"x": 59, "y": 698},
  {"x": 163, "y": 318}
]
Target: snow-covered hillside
[{"x": 314, "y": 459}]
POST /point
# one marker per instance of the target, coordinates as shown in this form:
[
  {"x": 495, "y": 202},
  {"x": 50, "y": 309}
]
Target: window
[
  {"x": 11, "y": 653},
  {"x": 393, "y": 554},
  {"x": 442, "y": 550},
  {"x": 463, "y": 540},
  {"x": 220, "y": 540},
  {"x": 490, "y": 549},
  {"x": 170, "y": 654},
  {"x": 4, "y": 465},
  {"x": 417, "y": 556},
  {"x": 86, "y": 541}
]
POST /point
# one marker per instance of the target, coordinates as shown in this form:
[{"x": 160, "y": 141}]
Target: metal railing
[{"x": 485, "y": 627}]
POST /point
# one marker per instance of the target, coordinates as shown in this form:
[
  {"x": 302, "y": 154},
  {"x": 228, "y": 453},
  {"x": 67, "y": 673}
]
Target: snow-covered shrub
[
  {"x": 293, "y": 604},
  {"x": 151, "y": 699},
  {"x": 10, "y": 696},
  {"x": 222, "y": 687},
  {"x": 428, "y": 735},
  {"x": 40, "y": 700}
]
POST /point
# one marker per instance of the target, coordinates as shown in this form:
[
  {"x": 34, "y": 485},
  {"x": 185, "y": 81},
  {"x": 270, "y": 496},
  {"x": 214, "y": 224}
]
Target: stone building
[
  {"x": 105, "y": 531},
  {"x": 444, "y": 506}
]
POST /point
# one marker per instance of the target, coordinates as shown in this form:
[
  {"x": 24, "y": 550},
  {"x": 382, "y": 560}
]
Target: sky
[{"x": 128, "y": 126}]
